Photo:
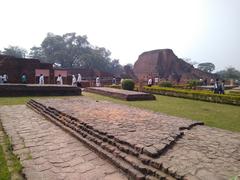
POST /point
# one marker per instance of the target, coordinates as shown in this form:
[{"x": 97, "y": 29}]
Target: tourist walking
[
  {"x": 98, "y": 84},
  {"x": 79, "y": 80},
  {"x": 5, "y": 78},
  {"x": 74, "y": 80},
  {"x": 59, "y": 79},
  {"x": 41, "y": 79}
]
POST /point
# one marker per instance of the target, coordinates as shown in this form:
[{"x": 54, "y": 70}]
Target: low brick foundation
[
  {"x": 9, "y": 90},
  {"x": 121, "y": 94}
]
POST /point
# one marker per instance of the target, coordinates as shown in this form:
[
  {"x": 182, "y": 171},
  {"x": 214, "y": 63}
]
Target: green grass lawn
[
  {"x": 4, "y": 173},
  {"x": 212, "y": 114}
]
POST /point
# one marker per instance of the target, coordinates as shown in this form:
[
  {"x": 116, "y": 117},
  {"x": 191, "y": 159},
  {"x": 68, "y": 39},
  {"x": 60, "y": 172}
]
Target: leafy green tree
[
  {"x": 229, "y": 73},
  {"x": 15, "y": 51},
  {"x": 71, "y": 50},
  {"x": 206, "y": 67},
  {"x": 37, "y": 53}
]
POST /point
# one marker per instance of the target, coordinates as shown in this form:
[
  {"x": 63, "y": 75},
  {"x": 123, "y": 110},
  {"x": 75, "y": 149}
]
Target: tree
[
  {"x": 206, "y": 67},
  {"x": 189, "y": 61},
  {"x": 65, "y": 50},
  {"x": 71, "y": 50},
  {"x": 37, "y": 53},
  {"x": 229, "y": 73},
  {"x": 15, "y": 51}
]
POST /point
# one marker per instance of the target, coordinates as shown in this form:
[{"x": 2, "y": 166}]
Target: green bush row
[{"x": 194, "y": 94}]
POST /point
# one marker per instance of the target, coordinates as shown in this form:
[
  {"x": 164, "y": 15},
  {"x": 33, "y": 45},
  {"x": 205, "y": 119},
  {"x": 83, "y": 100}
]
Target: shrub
[
  {"x": 128, "y": 84},
  {"x": 194, "y": 83},
  {"x": 166, "y": 84},
  {"x": 195, "y": 94}
]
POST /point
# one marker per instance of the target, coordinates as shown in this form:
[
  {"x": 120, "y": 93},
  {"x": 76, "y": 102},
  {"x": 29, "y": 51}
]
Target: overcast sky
[{"x": 203, "y": 30}]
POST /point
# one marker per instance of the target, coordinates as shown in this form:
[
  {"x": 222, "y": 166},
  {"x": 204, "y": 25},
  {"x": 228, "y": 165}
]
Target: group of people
[
  {"x": 77, "y": 81},
  {"x": 3, "y": 78},
  {"x": 219, "y": 87},
  {"x": 151, "y": 82}
]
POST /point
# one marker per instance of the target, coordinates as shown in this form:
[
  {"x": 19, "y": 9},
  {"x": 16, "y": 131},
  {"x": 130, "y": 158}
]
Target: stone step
[{"x": 118, "y": 153}]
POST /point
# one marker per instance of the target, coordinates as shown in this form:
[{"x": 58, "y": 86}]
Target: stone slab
[{"x": 121, "y": 94}]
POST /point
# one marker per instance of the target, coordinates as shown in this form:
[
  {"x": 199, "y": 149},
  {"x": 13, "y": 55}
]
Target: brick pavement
[
  {"x": 47, "y": 152},
  {"x": 201, "y": 153}
]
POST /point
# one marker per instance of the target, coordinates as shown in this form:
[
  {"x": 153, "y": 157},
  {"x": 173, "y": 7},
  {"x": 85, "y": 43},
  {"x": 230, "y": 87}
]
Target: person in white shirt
[
  {"x": 74, "y": 80},
  {"x": 59, "y": 79},
  {"x": 156, "y": 80},
  {"x": 79, "y": 80},
  {"x": 98, "y": 81},
  {"x": 150, "y": 82},
  {"x": 5, "y": 78},
  {"x": 41, "y": 79}
]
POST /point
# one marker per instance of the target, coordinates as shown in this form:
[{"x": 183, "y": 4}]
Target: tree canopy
[
  {"x": 71, "y": 50},
  {"x": 229, "y": 73},
  {"x": 206, "y": 67},
  {"x": 15, "y": 51}
]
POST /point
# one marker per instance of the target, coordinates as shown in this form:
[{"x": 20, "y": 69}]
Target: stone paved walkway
[
  {"x": 202, "y": 153},
  {"x": 47, "y": 152}
]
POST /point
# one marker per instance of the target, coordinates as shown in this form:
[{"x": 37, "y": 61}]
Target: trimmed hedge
[
  {"x": 166, "y": 84},
  {"x": 128, "y": 84},
  {"x": 194, "y": 94}
]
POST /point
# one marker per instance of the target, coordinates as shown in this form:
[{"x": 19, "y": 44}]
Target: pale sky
[{"x": 203, "y": 30}]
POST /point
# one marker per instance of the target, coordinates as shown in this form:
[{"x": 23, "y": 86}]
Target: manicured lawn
[
  {"x": 212, "y": 114},
  {"x": 4, "y": 173}
]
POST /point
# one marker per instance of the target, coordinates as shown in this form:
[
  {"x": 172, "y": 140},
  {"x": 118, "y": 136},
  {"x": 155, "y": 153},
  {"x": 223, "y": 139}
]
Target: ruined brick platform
[
  {"x": 144, "y": 144},
  {"x": 121, "y": 94},
  {"x": 9, "y": 90},
  {"x": 46, "y": 152}
]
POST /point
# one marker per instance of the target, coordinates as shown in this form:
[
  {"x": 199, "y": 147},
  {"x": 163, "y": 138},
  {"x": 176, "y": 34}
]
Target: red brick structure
[
  {"x": 16, "y": 67},
  {"x": 163, "y": 63}
]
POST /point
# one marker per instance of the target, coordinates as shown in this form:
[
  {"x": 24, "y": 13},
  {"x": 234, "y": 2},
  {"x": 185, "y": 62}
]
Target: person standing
[
  {"x": 221, "y": 87},
  {"x": 41, "y": 79},
  {"x": 59, "y": 79},
  {"x": 98, "y": 84},
  {"x": 24, "y": 78},
  {"x": 1, "y": 79},
  {"x": 114, "y": 82},
  {"x": 79, "y": 80},
  {"x": 5, "y": 78},
  {"x": 216, "y": 87},
  {"x": 74, "y": 80},
  {"x": 149, "y": 82}
]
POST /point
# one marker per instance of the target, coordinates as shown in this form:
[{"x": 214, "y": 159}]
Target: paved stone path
[
  {"x": 207, "y": 153},
  {"x": 47, "y": 152},
  {"x": 202, "y": 153},
  {"x": 139, "y": 128}
]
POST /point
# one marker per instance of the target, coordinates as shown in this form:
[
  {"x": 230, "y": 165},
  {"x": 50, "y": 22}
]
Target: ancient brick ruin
[
  {"x": 164, "y": 64},
  {"x": 32, "y": 68}
]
